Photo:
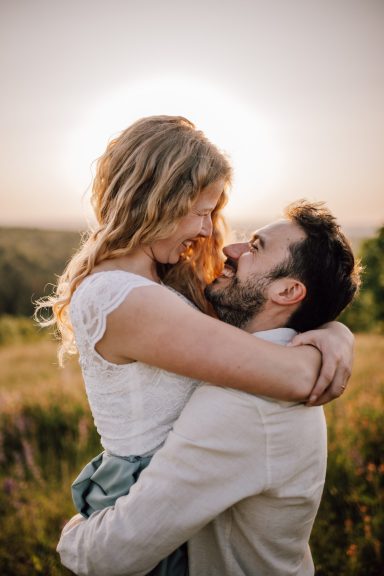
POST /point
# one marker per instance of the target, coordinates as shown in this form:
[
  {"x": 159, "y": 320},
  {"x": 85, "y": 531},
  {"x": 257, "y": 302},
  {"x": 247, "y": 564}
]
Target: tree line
[
  {"x": 31, "y": 260},
  {"x": 366, "y": 313}
]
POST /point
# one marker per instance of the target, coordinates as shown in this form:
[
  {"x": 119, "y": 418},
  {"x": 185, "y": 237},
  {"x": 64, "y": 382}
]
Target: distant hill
[{"x": 29, "y": 260}]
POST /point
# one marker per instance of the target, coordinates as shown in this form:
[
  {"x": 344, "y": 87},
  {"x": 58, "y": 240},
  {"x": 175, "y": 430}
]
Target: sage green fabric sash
[{"x": 104, "y": 479}]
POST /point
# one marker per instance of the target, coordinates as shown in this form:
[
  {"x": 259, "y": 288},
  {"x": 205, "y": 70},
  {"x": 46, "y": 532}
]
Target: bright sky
[{"x": 292, "y": 90}]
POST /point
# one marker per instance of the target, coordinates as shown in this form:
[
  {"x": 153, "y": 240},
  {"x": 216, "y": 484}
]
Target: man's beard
[{"x": 237, "y": 302}]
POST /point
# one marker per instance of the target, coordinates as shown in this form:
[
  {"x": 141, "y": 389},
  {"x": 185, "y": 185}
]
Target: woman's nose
[
  {"x": 206, "y": 229},
  {"x": 234, "y": 251}
]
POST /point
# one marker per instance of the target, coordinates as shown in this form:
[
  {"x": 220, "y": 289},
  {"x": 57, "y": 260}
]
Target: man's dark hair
[{"x": 323, "y": 262}]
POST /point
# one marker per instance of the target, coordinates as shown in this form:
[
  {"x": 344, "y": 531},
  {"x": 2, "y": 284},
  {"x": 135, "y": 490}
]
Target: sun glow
[{"x": 231, "y": 123}]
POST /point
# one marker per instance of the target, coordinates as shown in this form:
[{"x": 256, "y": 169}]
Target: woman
[{"x": 158, "y": 195}]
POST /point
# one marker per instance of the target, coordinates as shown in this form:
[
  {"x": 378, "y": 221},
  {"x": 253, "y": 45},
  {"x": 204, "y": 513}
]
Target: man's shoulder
[
  {"x": 214, "y": 407},
  {"x": 208, "y": 392}
]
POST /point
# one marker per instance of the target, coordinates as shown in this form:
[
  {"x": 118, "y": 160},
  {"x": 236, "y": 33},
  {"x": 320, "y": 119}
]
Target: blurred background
[{"x": 293, "y": 92}]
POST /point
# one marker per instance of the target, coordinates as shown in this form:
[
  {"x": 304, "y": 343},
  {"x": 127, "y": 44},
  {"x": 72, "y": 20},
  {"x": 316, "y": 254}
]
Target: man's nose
[{"x": 234, "y": 251}]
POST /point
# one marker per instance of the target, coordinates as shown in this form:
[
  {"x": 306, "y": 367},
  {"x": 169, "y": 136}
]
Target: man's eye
[{"x": 254, "y": 247}]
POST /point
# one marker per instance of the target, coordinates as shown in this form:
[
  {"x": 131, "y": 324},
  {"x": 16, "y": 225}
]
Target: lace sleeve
[{"x": 97, "y": 296}]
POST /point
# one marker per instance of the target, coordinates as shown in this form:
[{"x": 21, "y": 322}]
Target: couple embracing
[{"x": 205, "y": 377}]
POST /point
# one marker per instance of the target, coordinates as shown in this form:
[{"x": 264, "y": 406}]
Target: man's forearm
[
  {"x": 204, "y": 468},
  {"x": 160, "y": 513}
]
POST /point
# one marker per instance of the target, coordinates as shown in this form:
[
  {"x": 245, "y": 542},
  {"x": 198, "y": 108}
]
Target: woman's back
[{"x": 134, "y": 405}]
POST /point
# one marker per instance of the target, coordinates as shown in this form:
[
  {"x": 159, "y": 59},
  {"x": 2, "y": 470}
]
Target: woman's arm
[{"x": 155, "y": 326}]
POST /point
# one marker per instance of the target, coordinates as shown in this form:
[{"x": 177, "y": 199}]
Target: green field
[{"x": 47, "y": 434}]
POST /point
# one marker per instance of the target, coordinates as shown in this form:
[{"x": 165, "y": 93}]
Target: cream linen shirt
[{"x": 240, "y": 477}]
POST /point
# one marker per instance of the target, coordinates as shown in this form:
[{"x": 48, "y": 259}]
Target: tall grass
[
  {"x": 348, "y": 538},
  {"x": 19, "y": 329},
  {"x": 47, "y": 434}
]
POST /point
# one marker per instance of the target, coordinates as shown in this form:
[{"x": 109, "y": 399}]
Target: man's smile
[{"x": 229, "y": 270}]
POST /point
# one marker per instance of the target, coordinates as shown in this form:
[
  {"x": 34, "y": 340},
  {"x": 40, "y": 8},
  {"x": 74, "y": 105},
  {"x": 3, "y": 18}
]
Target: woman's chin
[{"x": 171, "y": 259}]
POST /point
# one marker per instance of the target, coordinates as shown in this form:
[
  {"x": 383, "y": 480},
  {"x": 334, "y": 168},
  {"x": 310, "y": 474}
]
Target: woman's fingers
[
  {"x": 304, "y": 338},
  {"x": 336, "y": 344},
  {"x": 335, "y": 389},
  {"x": 325, "y": 380}
]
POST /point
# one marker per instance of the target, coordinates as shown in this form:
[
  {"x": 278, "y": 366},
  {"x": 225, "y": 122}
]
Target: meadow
[{"x": 47, "y": 434}]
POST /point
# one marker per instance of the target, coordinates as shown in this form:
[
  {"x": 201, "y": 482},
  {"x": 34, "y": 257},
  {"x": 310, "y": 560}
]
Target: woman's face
[{"x": 195, "y": 224}]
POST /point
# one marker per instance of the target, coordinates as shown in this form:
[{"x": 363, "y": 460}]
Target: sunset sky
[{"x": 292, "y": 90}]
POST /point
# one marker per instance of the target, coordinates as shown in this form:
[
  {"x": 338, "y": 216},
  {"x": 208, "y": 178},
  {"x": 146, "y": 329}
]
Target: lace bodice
[{"x": 133, "y": 405}]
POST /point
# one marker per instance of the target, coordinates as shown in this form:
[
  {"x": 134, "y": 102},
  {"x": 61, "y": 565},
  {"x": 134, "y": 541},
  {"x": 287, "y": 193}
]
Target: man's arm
[{"x": 214, "y": 457}]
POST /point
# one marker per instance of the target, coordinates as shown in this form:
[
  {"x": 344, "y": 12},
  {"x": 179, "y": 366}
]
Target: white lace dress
[{"x": 133, "y": 405}]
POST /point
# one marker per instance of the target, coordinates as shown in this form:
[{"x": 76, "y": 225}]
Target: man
[{"x": 240, "y": 477}]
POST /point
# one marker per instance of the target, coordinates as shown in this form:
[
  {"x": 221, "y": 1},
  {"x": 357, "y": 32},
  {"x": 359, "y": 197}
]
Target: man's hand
[{"x": 336, "y": 344}]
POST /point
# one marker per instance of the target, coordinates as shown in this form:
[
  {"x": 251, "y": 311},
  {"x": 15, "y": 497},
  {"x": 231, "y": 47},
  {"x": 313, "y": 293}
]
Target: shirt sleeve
[{"x": 215, "y": 456}]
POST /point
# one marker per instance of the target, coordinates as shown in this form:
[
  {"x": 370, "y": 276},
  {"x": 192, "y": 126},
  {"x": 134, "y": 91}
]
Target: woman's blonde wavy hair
[{"x": 145, "y": 182}]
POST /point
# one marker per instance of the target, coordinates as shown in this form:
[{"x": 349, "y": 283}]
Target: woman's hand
[{"x": 336, "y": 343}]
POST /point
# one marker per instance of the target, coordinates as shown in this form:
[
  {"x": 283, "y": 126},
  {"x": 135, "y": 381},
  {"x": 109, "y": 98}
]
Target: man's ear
[{"x": 287, "y": 291}]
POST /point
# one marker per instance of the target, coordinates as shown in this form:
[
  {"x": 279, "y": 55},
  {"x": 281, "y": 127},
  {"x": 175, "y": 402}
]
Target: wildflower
[
  {"x": 352, "y": 551},
  {"x": 9, "y": 485}
]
